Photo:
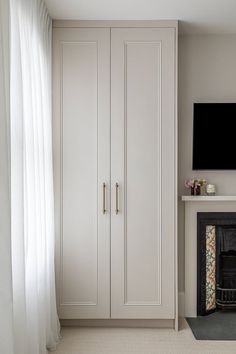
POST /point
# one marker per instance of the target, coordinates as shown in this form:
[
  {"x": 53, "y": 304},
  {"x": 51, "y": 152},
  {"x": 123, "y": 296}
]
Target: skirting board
[
  {"x": 181, "y": 304},
  {"x": 119, "y": 323}
]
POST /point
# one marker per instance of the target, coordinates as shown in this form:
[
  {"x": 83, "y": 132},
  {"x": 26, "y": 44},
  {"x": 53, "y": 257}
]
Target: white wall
[{"x": 207, "y": 73}]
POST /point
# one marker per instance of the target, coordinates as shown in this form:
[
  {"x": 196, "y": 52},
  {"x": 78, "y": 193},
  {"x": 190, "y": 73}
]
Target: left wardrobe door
[{"x": 81, "y": 96}]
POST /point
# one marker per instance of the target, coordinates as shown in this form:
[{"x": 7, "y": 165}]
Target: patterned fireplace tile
[{"x": 210, "y": 267}]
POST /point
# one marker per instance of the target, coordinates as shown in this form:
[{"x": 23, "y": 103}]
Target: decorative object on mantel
[
  {"x": 211, "y": 189},
  {"x": 203, "y": 184},
  {"x": 190, "y": 183},
  {"x": 197, "y": 186}
]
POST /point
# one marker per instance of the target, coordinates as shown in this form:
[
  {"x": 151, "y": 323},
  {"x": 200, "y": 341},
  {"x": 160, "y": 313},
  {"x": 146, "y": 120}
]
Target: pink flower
[{"x": 189, "y": 183}]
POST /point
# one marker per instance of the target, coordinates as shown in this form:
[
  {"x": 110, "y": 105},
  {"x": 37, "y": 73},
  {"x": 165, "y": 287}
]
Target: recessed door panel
[
  {"x": 142, "y": 136},
  {"x": 84, "y": 252}
]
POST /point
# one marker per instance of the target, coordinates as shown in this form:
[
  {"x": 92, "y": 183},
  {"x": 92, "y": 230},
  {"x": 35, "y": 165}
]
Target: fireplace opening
[
  {"x": 226, "y": 282},
  {"x": 216, "y": 262},
  {"x": 225, "y": 266}
]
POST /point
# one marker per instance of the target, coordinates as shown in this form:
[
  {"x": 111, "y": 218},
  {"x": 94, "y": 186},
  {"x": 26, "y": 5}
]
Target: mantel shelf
[{"x": 207, "y": 198}]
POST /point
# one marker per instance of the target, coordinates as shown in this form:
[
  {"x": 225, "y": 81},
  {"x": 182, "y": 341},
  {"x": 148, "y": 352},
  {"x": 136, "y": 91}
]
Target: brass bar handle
[
  {"x": 117, "y": 198},
  {"x": 104, "y": 198}
]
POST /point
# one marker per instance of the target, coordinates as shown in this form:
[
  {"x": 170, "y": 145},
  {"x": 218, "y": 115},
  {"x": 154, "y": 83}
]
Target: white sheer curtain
[
  {"x": 36, "y": 325},
  {"x": 6, "y": 320}
]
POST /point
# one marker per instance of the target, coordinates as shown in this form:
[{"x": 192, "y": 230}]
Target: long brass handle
[
  {"x": 117, "y": 197},
  {"x": 104, "y": 198}
]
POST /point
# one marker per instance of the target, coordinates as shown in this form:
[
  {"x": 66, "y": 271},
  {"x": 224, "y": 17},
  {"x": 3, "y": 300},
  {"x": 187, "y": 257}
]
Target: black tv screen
[{"x": 214, "y": 136}]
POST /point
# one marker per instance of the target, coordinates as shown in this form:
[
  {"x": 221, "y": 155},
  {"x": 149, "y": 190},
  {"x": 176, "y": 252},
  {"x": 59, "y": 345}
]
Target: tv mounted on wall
[{"x": 214, "y": 136}]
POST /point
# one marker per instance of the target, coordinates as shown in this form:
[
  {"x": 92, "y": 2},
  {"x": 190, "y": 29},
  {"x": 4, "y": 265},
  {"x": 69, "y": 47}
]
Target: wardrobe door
[
  {"x": 82, "y": 171},
  {"x": 142, "y": 173}
]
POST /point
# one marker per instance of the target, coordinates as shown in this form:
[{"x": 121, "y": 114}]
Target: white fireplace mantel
[
  {"x": 193, "y": 205},
  {"x": 208, "y": 198}
]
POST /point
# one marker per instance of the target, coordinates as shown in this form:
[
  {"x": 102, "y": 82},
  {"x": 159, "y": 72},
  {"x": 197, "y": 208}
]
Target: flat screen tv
[{"x": 214, "y": 136}]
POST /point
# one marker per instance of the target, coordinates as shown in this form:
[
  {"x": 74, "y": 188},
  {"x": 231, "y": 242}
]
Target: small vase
[
  {"x": 192, "y": 190},
  {"x": 198, "y": 190}
]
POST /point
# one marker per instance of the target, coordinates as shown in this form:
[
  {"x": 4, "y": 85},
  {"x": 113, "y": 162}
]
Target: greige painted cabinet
[{"x": 115, "y": 172}]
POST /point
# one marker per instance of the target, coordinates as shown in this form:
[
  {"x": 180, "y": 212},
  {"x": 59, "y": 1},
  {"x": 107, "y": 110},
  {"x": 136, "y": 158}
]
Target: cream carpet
[{"x": 138, "y": 341}]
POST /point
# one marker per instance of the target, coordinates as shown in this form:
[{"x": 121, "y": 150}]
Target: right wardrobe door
[{"x": 143, "y": 92}]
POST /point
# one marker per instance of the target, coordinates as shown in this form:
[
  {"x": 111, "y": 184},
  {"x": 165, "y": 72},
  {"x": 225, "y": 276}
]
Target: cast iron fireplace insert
[{"x": 216, "y": 258}]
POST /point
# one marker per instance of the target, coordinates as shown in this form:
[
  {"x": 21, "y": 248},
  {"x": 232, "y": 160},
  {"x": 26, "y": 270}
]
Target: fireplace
[{"x": 216, "y": 279}]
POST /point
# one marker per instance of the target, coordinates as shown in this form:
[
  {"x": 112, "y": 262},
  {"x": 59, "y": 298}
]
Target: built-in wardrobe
[{"x": 115, "y": 148}]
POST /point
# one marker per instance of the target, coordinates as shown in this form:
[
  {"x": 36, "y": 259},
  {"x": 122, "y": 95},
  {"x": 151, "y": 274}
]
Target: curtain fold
[{"x": 36, "y": 325}]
